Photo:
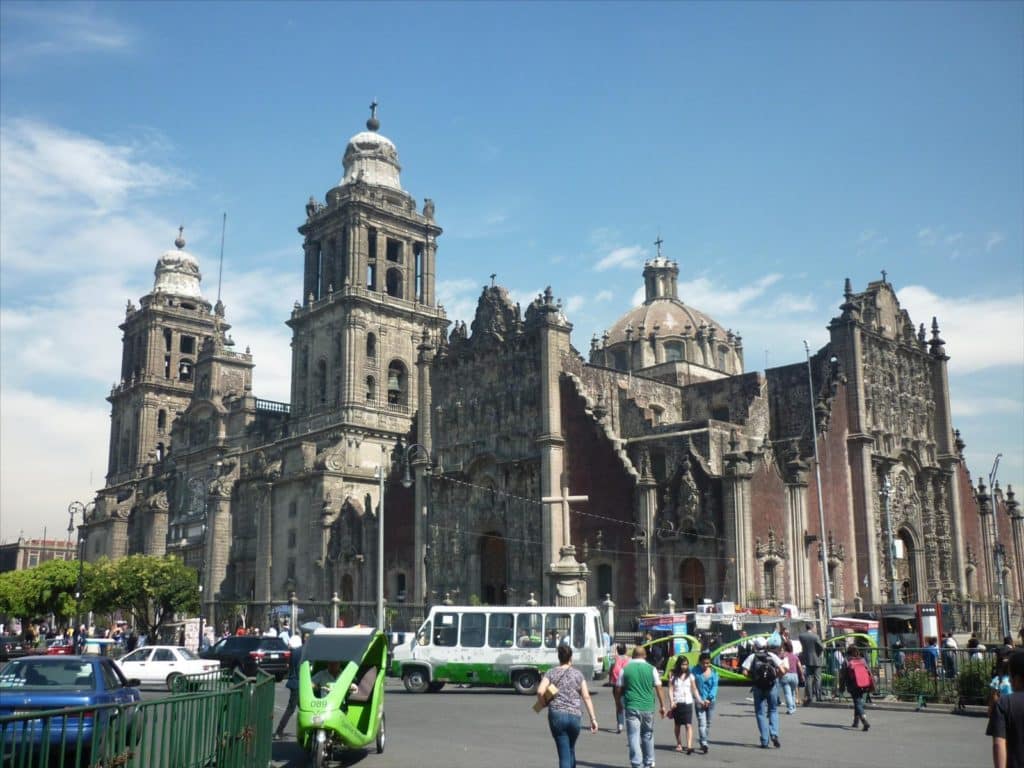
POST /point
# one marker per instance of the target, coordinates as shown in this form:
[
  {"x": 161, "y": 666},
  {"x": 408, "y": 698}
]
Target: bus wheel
[
  {"x": 435, "y": 687},
  {"x": 416, "y": 681},
  {"x": 525, "y": 681}
]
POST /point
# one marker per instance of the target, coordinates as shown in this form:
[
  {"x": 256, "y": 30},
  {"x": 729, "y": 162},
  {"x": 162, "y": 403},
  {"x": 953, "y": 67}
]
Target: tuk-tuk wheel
[
  {"x": 381, "y": 737},
  {"x": 319, "y": 754}
]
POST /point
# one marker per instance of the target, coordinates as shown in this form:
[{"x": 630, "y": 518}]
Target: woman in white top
[{"x": 682, "y": 693}]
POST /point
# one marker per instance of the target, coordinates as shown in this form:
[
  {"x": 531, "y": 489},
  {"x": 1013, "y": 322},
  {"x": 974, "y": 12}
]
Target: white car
[{"x": 163, "y": 664}]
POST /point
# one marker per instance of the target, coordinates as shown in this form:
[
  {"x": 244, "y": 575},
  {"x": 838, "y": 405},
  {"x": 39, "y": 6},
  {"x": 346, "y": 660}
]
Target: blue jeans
[
  {"x": 565, "y": 729},
  {"x": 640, "y": 735},
  {"x": 790, "y": 682},
  {"x": 704, "y": 723},
  {"x": 766, "y": 708},
  {"x": 858, "y": 706}
]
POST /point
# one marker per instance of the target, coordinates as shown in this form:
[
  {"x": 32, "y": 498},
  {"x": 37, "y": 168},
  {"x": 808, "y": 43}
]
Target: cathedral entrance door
[
  {"x": 493, "y": 569},
  {"x": 691, "y": 588}
]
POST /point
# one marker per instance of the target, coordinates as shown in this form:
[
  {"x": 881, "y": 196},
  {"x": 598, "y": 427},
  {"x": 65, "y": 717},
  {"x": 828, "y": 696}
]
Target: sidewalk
[{"x": 892, "y": 704}]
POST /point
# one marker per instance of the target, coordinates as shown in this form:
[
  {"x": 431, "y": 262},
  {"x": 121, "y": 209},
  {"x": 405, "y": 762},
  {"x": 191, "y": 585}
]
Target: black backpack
[{"x": 763, "y": 671}]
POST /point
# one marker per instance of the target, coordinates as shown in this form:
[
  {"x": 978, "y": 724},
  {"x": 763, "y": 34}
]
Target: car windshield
[{"x": 37, "y": 673}]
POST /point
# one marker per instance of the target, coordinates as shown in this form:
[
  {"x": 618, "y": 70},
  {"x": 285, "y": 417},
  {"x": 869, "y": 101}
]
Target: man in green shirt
[{"x": 635, "y": 690}]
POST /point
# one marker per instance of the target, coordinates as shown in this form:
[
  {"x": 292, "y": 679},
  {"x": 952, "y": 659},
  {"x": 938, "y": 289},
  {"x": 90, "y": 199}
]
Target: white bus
[{"x": 498, "y": 646}]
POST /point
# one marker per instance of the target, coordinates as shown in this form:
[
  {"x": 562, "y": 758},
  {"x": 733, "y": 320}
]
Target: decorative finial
[
  {"x": 373, "y": 123},
  {"x": 658, "y": 243},
  {"x": 493, "y": 275},
  {"x": 180, "y": 239},
  {"x": 884, "y": 275}
]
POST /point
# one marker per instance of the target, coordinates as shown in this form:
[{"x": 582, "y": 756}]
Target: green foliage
[
  {"x": 153, "y": 588},
  {"x": 47, "y": 588},
  {"x": 973, "y": 680},
  {"x": 475, "y": 600},
  {"x": 914, "y": 682}
]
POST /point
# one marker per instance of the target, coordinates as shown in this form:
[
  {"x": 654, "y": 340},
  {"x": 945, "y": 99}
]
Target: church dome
[
  {"x": 371, "y": 157},
  {"x": 177, "y": 271},
  {"x": 665, "y": 330}
]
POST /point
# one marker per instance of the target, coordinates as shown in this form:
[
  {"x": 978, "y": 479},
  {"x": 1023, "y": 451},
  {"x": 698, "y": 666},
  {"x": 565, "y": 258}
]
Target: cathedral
[{"x": 499, "y": 464}]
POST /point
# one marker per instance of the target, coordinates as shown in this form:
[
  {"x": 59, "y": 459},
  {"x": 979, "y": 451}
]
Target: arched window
[
  {"x": 321, "y": 381},
  {"x": 673, "y": 351},
  {"x": 161, "y": 420},
  {"x": 371, "y": 390},
  {"x": 394, "y": 283},
  {"x": 371, "y": 345},
  {"x": 619, "y": 361},
  {"x": 397, "y": 384}
]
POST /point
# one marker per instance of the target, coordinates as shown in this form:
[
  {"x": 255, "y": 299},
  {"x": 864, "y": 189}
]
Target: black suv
[
  {"x": 248, "y": 653},
  {"x": 14, "y": 648}
]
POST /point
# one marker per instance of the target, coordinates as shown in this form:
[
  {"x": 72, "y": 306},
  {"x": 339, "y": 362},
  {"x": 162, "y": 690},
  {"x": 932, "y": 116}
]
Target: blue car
[{"x": 44, "y": 683}]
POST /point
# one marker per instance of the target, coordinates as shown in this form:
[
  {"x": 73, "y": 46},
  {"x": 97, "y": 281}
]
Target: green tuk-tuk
[{"x": 341, "y": 692}]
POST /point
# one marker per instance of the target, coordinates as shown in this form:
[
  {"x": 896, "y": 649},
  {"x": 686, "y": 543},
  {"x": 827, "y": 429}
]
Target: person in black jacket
[
  {"x": 811, "y": 651},
  {"x": 295, "y": 644}
]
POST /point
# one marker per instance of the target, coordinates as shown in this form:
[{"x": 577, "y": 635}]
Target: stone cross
[
  {"x": 373, "y": 108},
  {"x": 564, "y": 500},
  {"x": 658, "y": 243}
]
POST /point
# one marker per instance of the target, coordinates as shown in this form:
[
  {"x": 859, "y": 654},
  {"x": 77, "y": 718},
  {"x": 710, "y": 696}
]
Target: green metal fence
[{"x": 216, "y": 721}]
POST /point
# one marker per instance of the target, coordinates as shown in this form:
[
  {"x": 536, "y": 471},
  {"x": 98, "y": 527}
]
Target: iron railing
[{"x": 215, "y": 720}]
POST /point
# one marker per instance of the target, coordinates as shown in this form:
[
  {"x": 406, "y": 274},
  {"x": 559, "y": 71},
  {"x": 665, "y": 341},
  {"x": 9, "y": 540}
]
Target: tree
[
  {"x": 154, "y": 588},
  {"x": 47, "y": 588}
]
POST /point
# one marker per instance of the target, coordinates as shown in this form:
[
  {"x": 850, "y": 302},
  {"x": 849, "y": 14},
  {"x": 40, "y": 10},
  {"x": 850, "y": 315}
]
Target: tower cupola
[
  {"x": 177, "y": 271},
  {"x": 371, "y": 157}
]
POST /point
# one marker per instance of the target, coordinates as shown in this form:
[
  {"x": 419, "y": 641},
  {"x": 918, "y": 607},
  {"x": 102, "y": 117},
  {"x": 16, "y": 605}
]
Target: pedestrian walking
[
  {"x": 292, "y": 684},
  {"x": 1006, "y": 722},
  {"x": 707, "y": 685},
  {"x": 793, "y": 679},
  {"x": 949, "y": 653},
  {"x": 621, "y": 659},
  {"x": 565, "y": 707},
  {"x": 637, "y": 687},
  {"x": 857, "y": 677},
  {"x": 682, "y": 695},
  {"x": 812, "y": 651},
  {"x": 837, "y": 660},
  {"x": 763, "y": 668}
]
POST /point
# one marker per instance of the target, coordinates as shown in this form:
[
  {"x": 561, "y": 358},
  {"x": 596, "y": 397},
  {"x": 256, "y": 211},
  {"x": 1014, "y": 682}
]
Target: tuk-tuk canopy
[{"x": 338, "y": 644}]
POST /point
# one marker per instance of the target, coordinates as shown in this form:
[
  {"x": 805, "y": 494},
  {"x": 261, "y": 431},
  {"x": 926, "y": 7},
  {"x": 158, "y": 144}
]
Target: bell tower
[
  {"x": 368, "y": 294},
  {"x": 160, "y": 345}
]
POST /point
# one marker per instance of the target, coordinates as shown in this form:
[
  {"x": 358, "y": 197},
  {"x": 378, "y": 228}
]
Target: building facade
[{"x": 654, "y": 467}]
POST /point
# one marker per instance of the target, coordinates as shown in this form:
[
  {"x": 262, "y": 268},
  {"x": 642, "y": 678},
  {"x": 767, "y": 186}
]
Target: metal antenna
[{"x": 220, "y": 269}]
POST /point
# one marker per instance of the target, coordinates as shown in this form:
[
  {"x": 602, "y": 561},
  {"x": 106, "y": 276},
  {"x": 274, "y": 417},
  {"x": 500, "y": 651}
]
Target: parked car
[
  {"x": 248, "y": 653},
  {"x": 13, "y": 648},
  {"x": 163, "y": 664},
  {"x": 59, "y": 646},
  {"x": 38, "y": 683}
]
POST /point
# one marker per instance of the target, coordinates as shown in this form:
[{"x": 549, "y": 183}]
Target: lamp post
[
  {"x": 817, "y": 474},
  {"x": 999, "y": 550},
  {"x": 404, "y": 457},
  {"x": 84, "y": 511}
]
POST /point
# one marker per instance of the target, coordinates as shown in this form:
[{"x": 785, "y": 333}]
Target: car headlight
[{"x": 318, "y": 720}]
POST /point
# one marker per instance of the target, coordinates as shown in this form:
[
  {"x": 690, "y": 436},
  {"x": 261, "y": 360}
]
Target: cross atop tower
[
  {"x": 658, "y": 243},
  {"x": 373, "y": 123}
]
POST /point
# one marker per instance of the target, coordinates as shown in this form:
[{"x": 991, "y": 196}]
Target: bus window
[
  {"x": 473, "y": 630},
  {"x": 500, "y": 632},
  {"x": 579, "y": 630},
  {"x": 557, "y": 629},
  {"x": 423, "y": 636},
  {"x": 528, "y": 630},
  {"x": 446, "y": 632}
]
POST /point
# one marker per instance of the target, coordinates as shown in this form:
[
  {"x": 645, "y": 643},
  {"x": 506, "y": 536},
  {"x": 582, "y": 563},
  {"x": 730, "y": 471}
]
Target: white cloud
[
  {"x": 983, "y": 406},
  {"x": 604, "y": 295},
  {"x": 980, "y": 332},
  {"x": 928, "y": 236},
  {"x": 709, "y": 297},
  {"x": 629, "y": 257},
  {"x": 60, "y": 29},
  {"x": 52, "y": 451},
  {"x": 994, "y": 240},
  {"x": 574, "y": 304},
  {"x": 459, "y": 297}
]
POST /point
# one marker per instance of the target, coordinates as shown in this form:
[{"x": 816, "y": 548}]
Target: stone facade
[{"x": 655, "y": 467}]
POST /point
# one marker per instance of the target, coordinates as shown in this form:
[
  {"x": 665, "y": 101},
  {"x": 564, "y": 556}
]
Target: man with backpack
[
  {"x": 764, "y": 669},
  {"x": 858, "y": 679}
]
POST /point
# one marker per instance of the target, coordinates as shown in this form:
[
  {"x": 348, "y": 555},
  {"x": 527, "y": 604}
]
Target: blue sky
[{"x": 776, "y": 148}]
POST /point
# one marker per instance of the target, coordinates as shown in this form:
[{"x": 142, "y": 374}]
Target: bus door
[{"x": 443, "y": 650}]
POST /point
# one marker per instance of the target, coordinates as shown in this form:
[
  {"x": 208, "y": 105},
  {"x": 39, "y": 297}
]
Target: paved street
[{"x": 459, "y": 728}]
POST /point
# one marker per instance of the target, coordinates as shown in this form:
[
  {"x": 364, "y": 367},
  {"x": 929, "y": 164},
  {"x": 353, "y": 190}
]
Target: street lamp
[
  {"x": 84, "y": 511},
  {"x": 999, "y": 550},
  {"x": 406, "y": 455},
  {"x": 817, "y": 473}
]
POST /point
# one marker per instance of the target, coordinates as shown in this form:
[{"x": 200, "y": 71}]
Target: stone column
[
  {"x": 738, "y": 575},
  {"x": 421, "y": 465},
  {"x": 647, "y": 510},
  {"x": 799, "y": 573},
  {"x": 987, "y": 539},
  {"x": 264, "y": 542}
]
